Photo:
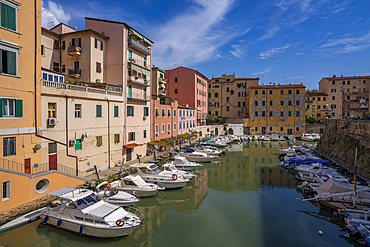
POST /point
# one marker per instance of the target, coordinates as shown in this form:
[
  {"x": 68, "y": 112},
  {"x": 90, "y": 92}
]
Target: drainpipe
[
  {"x": 67, "y": 138},
  {"x": 108, "y": 136}
]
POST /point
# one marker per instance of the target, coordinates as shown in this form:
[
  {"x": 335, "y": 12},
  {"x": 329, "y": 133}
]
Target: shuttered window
[
  {"x": 116, "y": 111},
  {"x": 131, "y": 136},
  {"x": 130, "y": 111},
  {"x": 11, "y": 108},
  {"x": 99, "y": 141},
  {"x": 156, "y": 112},
  {"x": 98, "y": 111},
  {"x": 8, "y": 62},
  {"x": 8, "y": 17},
  {"x": 116, "y": 138},
  {"x": 146, "y": 111},
  {"x": 8, "y": 146}
]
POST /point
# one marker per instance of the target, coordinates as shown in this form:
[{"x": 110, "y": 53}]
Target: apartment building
[
  {"x": 128, "y": 64},
  {"x": 278, "y": 109},
  {"x": 228, "y": 96},
  {"x": 23, "y": 176},
  {"x": 347, "y": 96},
  {"x": 317, "y": 106},
  {"x": 190, "y": 88},
  {"x": 187, "y": 119}
]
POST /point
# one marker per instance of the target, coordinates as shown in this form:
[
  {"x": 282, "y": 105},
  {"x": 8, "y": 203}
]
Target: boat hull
[
  {"x": 137, "y": 192},
  {"x": 166, "y": 184}
]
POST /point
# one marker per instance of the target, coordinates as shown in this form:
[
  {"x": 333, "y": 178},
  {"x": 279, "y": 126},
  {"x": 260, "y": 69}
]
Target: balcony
[
  {"x": 139, "y": 47},
  {"x": 161, "y": 80},
  {"x": 138, "y": 81},
  {"x": 74, "y": 50},
  {"x": 76, "y": 72},
  {"x": 136, "y": 96}
]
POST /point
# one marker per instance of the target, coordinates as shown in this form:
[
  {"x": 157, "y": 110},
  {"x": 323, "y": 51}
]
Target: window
[
  {"x": 8, "y": 146},
  {"x": 281, "y": 114},
  {"x": 281, "y": 92},
  {"x": 263, "y": 103},
  {"x": 183, "y": 124},
  {"x": 333, "y": 82},
  {"x": 174, "y": 126},
  {"x": 238, "y": 113},
  {"x": 168, "y": 128},
  {"x": 270, "y": 92},
  {"x": 282, "y": 102},
  {"x": 297, "y": 128},
  {"x": 281, "y": 129},
  {"x": 227, "y": 89},
  {"x": 256, "y": 103},
  {"x": 156, "y": 129},
  {"x": 169, "y": 112},
  {"x": 187, "y": 113},
  {"x": 297, "y": 102},
  {"x": 256, "y": 92},
  {"x": 116, "y": 138},
  {"x": 238, "y": 94},
  {"x": 5, "y": 190},
  {"x": 333, "y": 106},
  {"x": 129, "y": 55},
  {"x": 77, "y": 110},
  {"x": 239, "y": 104},
  {"x": 163, "y": 113},
  {"x": 130, "y": 111},
  {"x": 131, "y": 136},
  {"x": 227, "y": 108},
  {"x": 209, "y": 95},
  {"x": 313, "y": 108},
  {"x": 289, "y": 102},
  {"x": 9, "y": 15},
  {"x": 270, "y": 114},
  {"x": 52, "y": 110},
  {"x": 263, "y": 113},
  {"x": 146, "y": 111},
  {"x": 11, "y": 108},
  {"x": 297, "y": 113},
  {"x": 297, "y": 91},
  {"x": 289, "y": 113},
  {"x": 364, "y": 82},
  {"x": 56, "y": 66},
  {"x": 318, "y": 99},
  {"x": 56, "y": 44},
  {"x": 333, "y": 97},
  {"x": 162, "y": 128},
  {"x": 270, "y": 129},
  {"x": 348, "y": 82},
  {"x": 157, "y": 112},
  {"x": 183, "y": 113},
  {"x": 216, "y": 95},
  {"x": 263, "y": 92},
  {"x": 179, "y": 113},
  {"x": 227, "y": 99},
  {"x": 99, "y": 141},
  {"x": 78, "y": 145},
  {"x": 8, "y": 61},
  {"x": 144, "y": 62},
  {"x": 256, "y": 113},
  {"x": 42, "y": 50},
  {"x": 319, "y": 107},
  {"x": 216, "y": 113},
  {"x": 98, "y": 67},
  {"x": 289, "y": 91},
  {"x": 98, "y": 111},
  {"x": 187, "y": 124},
  {"x": 333, "y": 90},
  {"x": 176, "y": 79},
  {"x": 270, "y": 102},
  {"x": 243, "y": 104}
]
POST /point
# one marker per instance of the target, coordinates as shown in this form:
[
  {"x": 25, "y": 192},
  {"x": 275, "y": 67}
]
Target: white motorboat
[
  {"x": 192, "y": 155},
  {"x": 316, "y": 136},
  {"x": 208, "y": 150},
  {"x": 281, "y": 138},
  {"x": 82, "y": 212},
  {"x": 171, "y": 168},
  {"x": 307, "y": 137},
  {"x": 165, "y": 179},
  {"x": 266, "y": 138},
  {"x": 216, "y": 143},
  {"x": 135, "y": 185},
  {"x": 183, "y": 164},
  {"x": 116, "y": 197},
  {"x": 274, "y": 137},
  {"x": 316, "y": 168}
]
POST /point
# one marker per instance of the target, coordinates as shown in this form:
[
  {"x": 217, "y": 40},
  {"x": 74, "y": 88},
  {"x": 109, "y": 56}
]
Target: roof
[
  {"x": 236, "y": 78},
  {"x": 183, "y": 106},
  {"x": 316, "y": 94},
  {"x": 75, "y": 32},
  {"x": 117, "y": 22},
  {"x": 181, "y": 67},
  {"x": 279, "y": 86},
  {"x": 42, "y": 68},
  {"x": 59, "y": 25},
  {"x": 346, "y": 78}
]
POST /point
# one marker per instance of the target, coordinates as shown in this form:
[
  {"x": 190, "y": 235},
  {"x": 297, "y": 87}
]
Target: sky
[{"x": 282, "y": 41}]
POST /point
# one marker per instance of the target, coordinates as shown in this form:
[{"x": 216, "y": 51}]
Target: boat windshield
[
  {"x": 155, "y": 169},
  {"x": 85, "y": 202}
]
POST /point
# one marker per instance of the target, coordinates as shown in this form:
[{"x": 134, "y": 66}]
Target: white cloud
[
  {"x": 53, "y": 15},
  {"x": 270, "y": 32},
  {"x": 263, "y": 71},
  {"x": 269, "y": 53},
  {"x": 346, "y": 45},
  {"x": 237, "y": 52},
  {"x": 193, "y": 36}
]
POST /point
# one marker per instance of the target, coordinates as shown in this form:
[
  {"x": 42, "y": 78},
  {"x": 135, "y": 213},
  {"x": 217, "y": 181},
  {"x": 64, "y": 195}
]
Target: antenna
[{"x": 329, "y": 73}]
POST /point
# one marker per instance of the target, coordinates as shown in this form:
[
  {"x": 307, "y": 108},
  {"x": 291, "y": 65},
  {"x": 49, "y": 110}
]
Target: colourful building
[
  {"x": 317, "y": 106},
  {"x": 187, "y": 119},
  {"x": 190, "y": 88},
  {"x": 278, "y": 109},
  {"x": 228, "y": 96},
  {"x": 128, "y": 64},
  {"x": 348, "y": 97}
]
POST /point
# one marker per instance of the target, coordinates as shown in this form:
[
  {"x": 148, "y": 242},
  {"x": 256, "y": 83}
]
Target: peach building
[
  {"x": 187, "y": 119},
  {"x": 128, "y": 64},
  {"x": 347, "y": 96},
  {"x": 190, "y": 88},
  {"x": 228, "y": 96}
]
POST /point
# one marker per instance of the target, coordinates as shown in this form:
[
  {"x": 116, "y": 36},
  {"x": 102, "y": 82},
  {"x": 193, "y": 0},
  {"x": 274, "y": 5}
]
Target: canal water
[{"x": 242, "y": 199}]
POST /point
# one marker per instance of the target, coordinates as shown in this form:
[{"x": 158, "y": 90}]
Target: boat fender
[
  {"x": 321, "y": 233},
  {"x": 46, "y": 219},
  {"x": 59, "y": 223},
  {"x": 108, "y": 186},
  {"x": 174, "y": 176},
  {"x": 120, "y": 223},
  {"x": 81, "y": 229}
]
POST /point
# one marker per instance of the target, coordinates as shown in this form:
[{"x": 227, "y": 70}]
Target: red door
[
  {"x": 27, "y": 166},
  {"x": 53, "y": 162}
]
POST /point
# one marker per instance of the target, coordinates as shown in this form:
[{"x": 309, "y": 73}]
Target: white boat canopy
[{"x": 136, "y": 179}]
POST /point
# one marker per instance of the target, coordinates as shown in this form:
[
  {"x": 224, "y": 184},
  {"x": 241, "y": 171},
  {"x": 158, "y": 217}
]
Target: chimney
[{"x": 334, "y": 76}]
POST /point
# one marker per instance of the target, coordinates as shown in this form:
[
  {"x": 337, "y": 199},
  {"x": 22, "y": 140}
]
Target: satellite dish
[{"x": 37, "y": 147}]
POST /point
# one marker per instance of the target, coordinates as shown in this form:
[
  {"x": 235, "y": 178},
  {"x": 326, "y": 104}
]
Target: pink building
[
  {"x": 164, "y": 114},
  {"x": 187, "y": 119},
  {"x": 190, "y": 87},
  {"x": 128, "y": 63}
]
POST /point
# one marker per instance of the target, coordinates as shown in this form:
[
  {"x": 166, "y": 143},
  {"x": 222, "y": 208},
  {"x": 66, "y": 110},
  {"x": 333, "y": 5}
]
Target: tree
[
  {"x": 311, "y": 120},
  {"x": 312, "y": 91}
]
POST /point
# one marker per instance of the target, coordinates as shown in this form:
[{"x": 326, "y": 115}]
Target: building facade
[
  {"x": 190, "y": 88},
  {"x": 278, "y": 109},
  {"x": 187, "y": 119},
  {"x": 128, "y": 64},
  {"x": 348, "y": 97},
  {"x": 228, "y": 96},
  {"x": 317, "y": 106}
]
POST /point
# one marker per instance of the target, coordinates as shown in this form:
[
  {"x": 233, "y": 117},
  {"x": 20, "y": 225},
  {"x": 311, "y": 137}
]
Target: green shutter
[
  {"x": 98, "y": 110},
  {"x": 78, "y": 144},
  {"x": 12, "y": 63},
  {"x": 1, "y": 107},
  {"x": 11, "y": 18},
  {"x": 115, "y": 111},
  {"x": 1, "y": 61},
  {"x": 133, "y": 136},
  {"x": 4, "y": 15},
  {"x": 19, "y": 108},
  {"x": 132, "y": 110}
]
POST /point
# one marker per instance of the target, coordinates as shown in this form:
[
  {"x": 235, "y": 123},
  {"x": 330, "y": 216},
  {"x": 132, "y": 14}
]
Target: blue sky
[{"x": 292, "y": 41}]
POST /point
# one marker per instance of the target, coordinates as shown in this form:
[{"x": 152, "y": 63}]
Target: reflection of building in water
[{"x": 250, "y": 169}]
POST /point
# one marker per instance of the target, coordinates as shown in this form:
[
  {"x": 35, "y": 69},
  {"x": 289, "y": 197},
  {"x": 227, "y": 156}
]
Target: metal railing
[
  {"x": 138, "y": 46},
  {"x": 38, "y": 168},
  {"x": 74, "y": 50},
  {"x": 75, "y": 71}
]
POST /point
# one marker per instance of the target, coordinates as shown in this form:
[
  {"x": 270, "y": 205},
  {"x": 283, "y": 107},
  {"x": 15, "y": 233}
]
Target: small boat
[
  {"x": 34, "y": 215},
  {"x": 281, "y": 138},
  {"x": 183, "y": 164},
  {"x": 116, "y": 197},
  {"x": 153, "y": 174},
  {"x": 84, "y": 213},
  {"x": 316, "y": 168},
  {"x": 274, "y": 137},
  {"x": 171, "y": 168},
  {"x": 307, "y": 137},
  {"x": 192, "y": 155},
  {"x": 266, "y": 138},
  {"x": 316, "y": 136},
  {"x": 136, "y": 186},
  {"x": 208, "y": 150}
]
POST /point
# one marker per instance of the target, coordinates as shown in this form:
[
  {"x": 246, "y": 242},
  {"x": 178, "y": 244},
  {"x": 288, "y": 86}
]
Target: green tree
[
  {"x": 312, "y": 91},
  {"x": 311, "y": 120}
]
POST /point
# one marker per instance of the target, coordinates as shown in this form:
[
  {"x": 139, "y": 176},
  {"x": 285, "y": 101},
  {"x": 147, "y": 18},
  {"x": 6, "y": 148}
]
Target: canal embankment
[{"x": 340, "y": 140}]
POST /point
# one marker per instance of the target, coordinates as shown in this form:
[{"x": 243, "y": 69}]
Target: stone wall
[
  {"x": 315, "y": 128},
  {"x": 340, "y": 140}
]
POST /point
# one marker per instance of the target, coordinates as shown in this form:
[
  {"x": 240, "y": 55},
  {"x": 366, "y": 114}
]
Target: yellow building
[
  {"x": 317, "y": 105},
  {"x": 278, "y": 109},
  {"x": 228, "y": 96}
]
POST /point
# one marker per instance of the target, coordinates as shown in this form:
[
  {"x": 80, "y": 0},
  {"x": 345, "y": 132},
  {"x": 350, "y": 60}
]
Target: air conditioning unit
[
  {"x": 72, "y": 142},
  {"x": 97, "y": 80},
  {"x": 52, "y": 121},
  {"x": 144, "y": 118}
]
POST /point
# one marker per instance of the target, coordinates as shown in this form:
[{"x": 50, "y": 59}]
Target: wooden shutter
[
  {"x": 12, "y": 63},
  {"x": 19, "y": 108},
  {"x": 133, "y": 136},
  {"x": 4, "y": 15},
  {"x": 96, "y": 43},
  {"x": 101, "y": 47},
  {"x": 11, "y": 18},
  {"x": 132, "y": 110},
  {"x": 1, "y": 107},
  {"x": 73, "y": 42},
  {"x": 79, "y": 42},
  {"x": 63, "y": 45}
]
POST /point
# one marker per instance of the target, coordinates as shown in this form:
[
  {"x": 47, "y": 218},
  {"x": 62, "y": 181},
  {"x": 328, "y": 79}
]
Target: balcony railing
[
  {"x": 136, "y": 45},
  {"x": 38, "y": 168},
  {"x": 74, "y": 50},
  {"x": 137, "y": 96},
  {"x": 366, "y": 92},
  {"x": 138, "y": 81},
  {"x": 309, "y": 101},
  {"x": 162, "y": 80},
  {"x": 74, "y": 72}
]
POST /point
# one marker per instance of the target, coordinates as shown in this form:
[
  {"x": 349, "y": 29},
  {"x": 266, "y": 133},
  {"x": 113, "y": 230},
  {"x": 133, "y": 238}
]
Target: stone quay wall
[
  {"x": 340, "y": 140},
  {"x": 315, "y": 128}
]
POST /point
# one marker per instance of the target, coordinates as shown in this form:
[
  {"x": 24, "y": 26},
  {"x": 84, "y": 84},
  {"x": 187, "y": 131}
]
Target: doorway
[
  {"x": 129, "y": 154},
  {"x": 27, "y": 166},
  {"x": 263, "y": 130},
  {"x": 52, "y": 162},
  {"x": 290, "y": 131}
]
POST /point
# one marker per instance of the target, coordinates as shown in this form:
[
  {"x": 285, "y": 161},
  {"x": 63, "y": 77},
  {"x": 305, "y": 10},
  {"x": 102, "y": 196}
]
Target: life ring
[
  {"x": 108, "y": 186},
  {"x": 174, "y": 176},
  {"x": 120, "y": 223}
]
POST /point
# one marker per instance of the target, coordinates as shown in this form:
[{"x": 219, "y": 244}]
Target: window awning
[
  {"x": 131, "y": 145},
  {"x": 140, "y": 69}
]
